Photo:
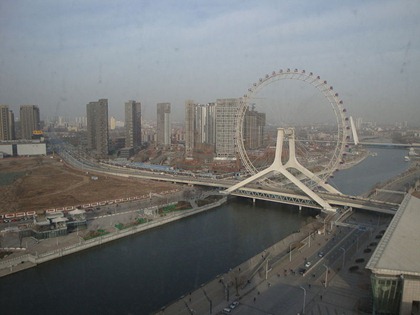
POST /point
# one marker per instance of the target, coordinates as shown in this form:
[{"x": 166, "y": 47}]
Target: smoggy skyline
[{"x": 61, "y": 55}]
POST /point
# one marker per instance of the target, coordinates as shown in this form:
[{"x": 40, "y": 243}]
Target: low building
[
  {"x": 395, "y": 264},
  {"x": 23, "y": 148},
  {"x": 58, "y": 224},
  {"x": 49, "y": 225}
]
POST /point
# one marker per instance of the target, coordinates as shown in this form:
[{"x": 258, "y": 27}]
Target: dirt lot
[{"x": 37, "y": 183}]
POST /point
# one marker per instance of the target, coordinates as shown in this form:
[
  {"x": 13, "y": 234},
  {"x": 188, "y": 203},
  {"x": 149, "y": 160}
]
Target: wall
[{"x": 32, "y": 149}]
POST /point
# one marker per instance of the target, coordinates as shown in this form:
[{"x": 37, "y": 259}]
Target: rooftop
[{"x": 397, "y": 253}]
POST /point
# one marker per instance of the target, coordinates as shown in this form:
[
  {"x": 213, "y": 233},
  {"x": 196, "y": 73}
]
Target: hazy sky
[{"x": 61, "y": 55}]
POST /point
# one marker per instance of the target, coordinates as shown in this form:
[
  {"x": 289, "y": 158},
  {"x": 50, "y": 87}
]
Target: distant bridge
[{"x": 390, "y": 145}]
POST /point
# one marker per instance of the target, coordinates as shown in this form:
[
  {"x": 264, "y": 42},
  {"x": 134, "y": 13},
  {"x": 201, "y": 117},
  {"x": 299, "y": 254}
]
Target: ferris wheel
[{"x": 339, "y": 132}]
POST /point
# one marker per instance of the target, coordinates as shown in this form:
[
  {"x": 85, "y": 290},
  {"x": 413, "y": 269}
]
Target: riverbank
[
  {"x": 359, "y": 158},
  {"x": 243, "y": 279},
  {"x": 54, "y": 248},
  {"x": 271, "y": 281}
]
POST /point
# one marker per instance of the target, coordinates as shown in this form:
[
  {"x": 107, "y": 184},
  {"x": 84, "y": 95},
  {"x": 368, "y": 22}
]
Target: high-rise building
[
  {"x": 7, "y": 123},
  {"x": 97, "y": 127},
  {"x": 253, "y": 129},
  {"x": 12, "y": 129},
  {"x": 189, "y": 128},
  {"x": 81, "y": 122},
  {"x": 29, "y": 120},
  {"x": 133, "y": 124},
  {"x": 205, "y": 123},
  {"x": 112, "y": 123},
  {"x": 226, "y": 115},
  {"x": 199, "y": 126},
  {"x": 163, "y": 128}
]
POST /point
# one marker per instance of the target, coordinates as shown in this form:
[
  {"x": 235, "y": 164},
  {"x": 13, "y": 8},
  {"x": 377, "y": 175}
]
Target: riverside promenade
[
  {"x": 336, "y": 282},
  {"x": 270, "y": 282},
  {"x": 48, "y": 249}
]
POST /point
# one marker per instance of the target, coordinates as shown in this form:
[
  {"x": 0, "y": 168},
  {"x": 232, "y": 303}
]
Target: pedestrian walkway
[
  {"x": 278, "y": 288},
  {"x": 346, "y": 292}
]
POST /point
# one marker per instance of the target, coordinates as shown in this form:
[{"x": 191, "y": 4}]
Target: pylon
[{"x": 278, "y": 167}]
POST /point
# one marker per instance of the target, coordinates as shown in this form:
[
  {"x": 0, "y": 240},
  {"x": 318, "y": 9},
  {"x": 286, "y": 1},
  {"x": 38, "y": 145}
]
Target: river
[
  {"x": 141, "y": 273},
  {"x": 374, "y": 169}
]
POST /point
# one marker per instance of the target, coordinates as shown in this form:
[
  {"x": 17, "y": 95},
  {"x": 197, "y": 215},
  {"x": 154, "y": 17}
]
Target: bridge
[
  {"x": 390, "y": 145},
  {"x": 279, "y": 195},
  {"x": 356, "y": 141},
  {"x": 259, "y": 192},
  {"x": 253, "y": 191}
]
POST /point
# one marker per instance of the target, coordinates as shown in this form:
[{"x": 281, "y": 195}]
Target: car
[
  {"x": 227, "y": 310},
  {"x": 308, "y": 264},
  {"x": 321, "y": 254},
  {"x": 302, "y": 271},
  {"x": 233, "y": 304}
]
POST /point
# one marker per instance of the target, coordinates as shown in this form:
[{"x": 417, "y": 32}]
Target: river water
[{"x": 141, "y": 273}]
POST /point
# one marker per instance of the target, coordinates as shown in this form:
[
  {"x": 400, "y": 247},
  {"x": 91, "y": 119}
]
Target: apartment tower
[
  {"x": 29, "y": 120},
  {"x": 97, "y": 127},
  {"x": 7, "y": 123},
  {"x": 254, "y": 127},
  {"x": 226, "y": 114},
  {"x": 189, "y": 128},
  {"x": 199, "y": 126},
  {"x": 133, "y": 124},
  {"x": 163, "y": 124}
]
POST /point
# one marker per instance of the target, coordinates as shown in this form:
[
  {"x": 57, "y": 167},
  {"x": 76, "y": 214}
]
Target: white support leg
[
  {"x": 278, "y": 167},
  {"x": 293, "y": 163}
]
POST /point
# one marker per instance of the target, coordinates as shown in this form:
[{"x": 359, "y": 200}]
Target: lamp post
[
  {"x": 209, "y": 300},
  {"x": 290, "y": 250},
  {"x": 309, "y": 237},
  {"x": 304, "y": 299},
  {"x": 357, "y": 243},
  {"x": 344, "y": 255},
  {"x": 266, "y": 269},
  {"x": 326, "y": 275}
]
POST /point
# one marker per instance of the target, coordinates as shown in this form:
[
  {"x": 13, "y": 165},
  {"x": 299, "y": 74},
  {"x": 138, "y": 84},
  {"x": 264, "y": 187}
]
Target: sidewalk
[{"x": 346, "y": 292}]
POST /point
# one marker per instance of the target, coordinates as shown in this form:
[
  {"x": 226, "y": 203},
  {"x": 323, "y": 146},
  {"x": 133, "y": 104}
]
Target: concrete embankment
[
  {"x": 23, "y": 261},
  {"x": 357, "y": 160}
]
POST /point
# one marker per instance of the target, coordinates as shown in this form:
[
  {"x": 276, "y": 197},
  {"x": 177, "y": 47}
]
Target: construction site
[{"x": 44, "y": 182}]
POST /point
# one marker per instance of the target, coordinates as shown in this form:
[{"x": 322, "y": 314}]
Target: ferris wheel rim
[{"x": 328, "y": 93}]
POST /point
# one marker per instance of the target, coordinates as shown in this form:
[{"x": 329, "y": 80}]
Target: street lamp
[
  {"x": 344, "y": 256},
  {"x": 266, "y": 269},
  {"x": 309, "y": 238},
  {"x": 326, "y": 275},
  {"x": 304, "y": 299},
  {"x": 357, "y": 243},
  {"x": 290, "y": 250},
  {"x": 209, "y": 300}
]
